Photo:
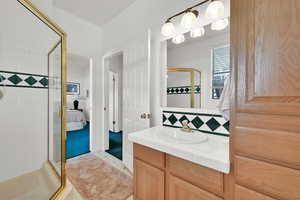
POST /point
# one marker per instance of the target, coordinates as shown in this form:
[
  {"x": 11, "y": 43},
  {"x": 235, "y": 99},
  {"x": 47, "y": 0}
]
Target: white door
[
  {"x": 111, "y": 102},
  {"x": 136, "y": 88}
]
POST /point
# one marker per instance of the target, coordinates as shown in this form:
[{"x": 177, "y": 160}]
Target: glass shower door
[
  {"x": 32, "y": 99},
  {"x": 55, "y": 105}
]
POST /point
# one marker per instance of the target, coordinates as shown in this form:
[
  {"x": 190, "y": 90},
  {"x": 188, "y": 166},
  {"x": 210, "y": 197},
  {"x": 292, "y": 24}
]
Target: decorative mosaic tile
[
  {"x": 17, "y": 79},
  {"x": 183, "y": 90},
  {"x": 204, "y": 122}
]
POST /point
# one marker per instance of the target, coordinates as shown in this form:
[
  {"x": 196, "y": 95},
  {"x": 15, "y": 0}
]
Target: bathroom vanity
[{"x": 169, "y": 166}]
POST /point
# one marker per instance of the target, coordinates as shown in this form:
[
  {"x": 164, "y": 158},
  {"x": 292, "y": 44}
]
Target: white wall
[{"x": 198, "y": 54}]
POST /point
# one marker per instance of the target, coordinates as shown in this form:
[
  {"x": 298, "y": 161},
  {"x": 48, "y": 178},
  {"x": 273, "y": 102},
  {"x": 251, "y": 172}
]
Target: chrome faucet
[{"x": 185, "y": 126}]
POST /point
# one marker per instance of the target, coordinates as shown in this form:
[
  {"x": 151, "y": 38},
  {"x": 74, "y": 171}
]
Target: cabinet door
[
  {"x": 181, "y": 190},
  {"x": 149, "y": 182},
  {"x": 265, "y": 120}
]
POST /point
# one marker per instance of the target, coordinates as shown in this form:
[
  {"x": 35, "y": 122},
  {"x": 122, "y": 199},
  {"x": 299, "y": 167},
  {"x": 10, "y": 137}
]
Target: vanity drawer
[
  {"x": 273, "y": 180},
  {"x": 179, "y": 189},
  {"x": 242, "y": 193},
  {"x": 150, "y": 156},
  {"x": 205, "y": 178}
]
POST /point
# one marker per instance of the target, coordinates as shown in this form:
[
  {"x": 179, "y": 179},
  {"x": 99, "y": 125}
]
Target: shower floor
[{"x": 37, "y": 185}]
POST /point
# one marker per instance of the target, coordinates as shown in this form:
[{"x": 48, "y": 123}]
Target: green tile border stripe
[
  {"x": 23, "y": 86},
  {"x": 21, "y": 73},
  {"x": 184, "y": 86},
  {"x": 207, "y": 132},
  {"x": 189, "y": 113},
  {"x": 37, "y": 76}
]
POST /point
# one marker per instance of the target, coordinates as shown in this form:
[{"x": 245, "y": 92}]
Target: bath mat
[{"x": 94, "y": 179}]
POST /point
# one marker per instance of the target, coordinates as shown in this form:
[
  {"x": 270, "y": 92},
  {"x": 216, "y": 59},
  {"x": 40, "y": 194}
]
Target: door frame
[{"x": 105, "y": 136}]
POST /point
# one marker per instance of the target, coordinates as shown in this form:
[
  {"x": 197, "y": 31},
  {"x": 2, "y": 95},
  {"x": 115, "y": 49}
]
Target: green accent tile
[
  {"x": 15, "y": 79},
  {"x": 2, "y": 78},
  {"x": 226, "y": 125},
  {"x": 183, "y": 118},
  {"x": 172, "y": 119},
  {"x": 197, "y": 122},
  {"x": 30, "y": 80},
  {"x": 44, "y": 82},
  {"x": 164, "y": 118},
  {"x": 213, "y": 124}
]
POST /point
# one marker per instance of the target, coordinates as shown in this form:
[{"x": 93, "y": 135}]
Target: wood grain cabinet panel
[
  {"x": 242, "y": 193},
  {"x": 273, "y": 180},
  {"x": 202, "y": 177},
  {"x": 181, "y": 190},
  {"x": 273, "y": 146},
  {"x": 149, "y": 182},
  {"x": 151, "y": 156},
  {"x": 265, "y": 118}
]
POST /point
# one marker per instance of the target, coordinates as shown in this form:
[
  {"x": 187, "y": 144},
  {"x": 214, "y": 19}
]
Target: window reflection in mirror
[{"x": 209, "y": 55}]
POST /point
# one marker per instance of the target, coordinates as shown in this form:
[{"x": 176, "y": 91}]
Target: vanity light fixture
[
  {"x": 197, "y": 32},
  {"x": 168, "y": 29},
  {"x": 220, "y": 24},
  {"x": 189, "y": 19},
  {"x": 215, "y": 10},
  {"x": 178, "y": 39}
]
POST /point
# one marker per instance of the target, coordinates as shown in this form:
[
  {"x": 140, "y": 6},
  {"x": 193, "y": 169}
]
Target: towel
[
  {"x": 2, "y": 92},
  {"x": 224, "y": 105}
]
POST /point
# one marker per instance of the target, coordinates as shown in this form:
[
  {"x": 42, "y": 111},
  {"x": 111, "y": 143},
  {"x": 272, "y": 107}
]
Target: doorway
[
  {"x": 78, "y": 106},
  {"x": 113, "y": 104}
]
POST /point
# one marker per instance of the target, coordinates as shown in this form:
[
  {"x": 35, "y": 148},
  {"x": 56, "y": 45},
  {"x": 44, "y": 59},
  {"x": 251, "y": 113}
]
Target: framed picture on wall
[{"x": 73, "y": 88}]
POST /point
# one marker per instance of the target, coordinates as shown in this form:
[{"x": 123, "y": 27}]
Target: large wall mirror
[
  {"x": 32, "y": 102},
  {"x": 208, "y": 57}
]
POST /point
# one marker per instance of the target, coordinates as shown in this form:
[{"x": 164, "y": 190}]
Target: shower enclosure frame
[
  {"x": 193, "y": 72},
  {"x": 63, "y": 39}
]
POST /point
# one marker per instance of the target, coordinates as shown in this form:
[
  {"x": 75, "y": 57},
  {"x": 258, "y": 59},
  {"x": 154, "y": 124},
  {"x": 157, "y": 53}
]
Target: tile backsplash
[{"x": 206, "y": 122}]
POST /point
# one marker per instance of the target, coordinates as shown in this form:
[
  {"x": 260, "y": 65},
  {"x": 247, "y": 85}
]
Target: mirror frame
[
  {"x": 192, "y": 71},
  {"x": 63, "y": 39}
]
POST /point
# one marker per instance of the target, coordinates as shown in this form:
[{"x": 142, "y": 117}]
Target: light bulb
[
  {"x": 215, "y": 10},
  {"x": 178, "y": 39},
  {"x": 168, "y": 29},
  {"x": 189, "y": 19},
  {"x": 220, "y": 24},
  {"x": 197, "y": 32}
]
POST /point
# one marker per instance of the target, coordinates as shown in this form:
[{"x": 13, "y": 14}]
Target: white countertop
[{"x": 214, "y": 153}]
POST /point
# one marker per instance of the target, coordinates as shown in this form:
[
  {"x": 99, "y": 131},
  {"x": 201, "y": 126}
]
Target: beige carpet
[{"x": 96, "y": 180}]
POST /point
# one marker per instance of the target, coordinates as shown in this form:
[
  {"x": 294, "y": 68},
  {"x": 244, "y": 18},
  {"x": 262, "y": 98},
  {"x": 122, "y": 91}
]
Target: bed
[{"x": 75, "y": 120}]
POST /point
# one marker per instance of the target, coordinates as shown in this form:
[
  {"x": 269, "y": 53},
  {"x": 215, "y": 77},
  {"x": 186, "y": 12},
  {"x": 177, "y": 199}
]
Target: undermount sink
[{"x": 181, "y": 137}]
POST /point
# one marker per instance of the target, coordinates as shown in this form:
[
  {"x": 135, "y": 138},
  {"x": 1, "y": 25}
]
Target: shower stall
[{"x": 32, "y": 103}]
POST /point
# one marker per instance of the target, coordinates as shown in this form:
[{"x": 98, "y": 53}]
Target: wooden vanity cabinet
[
  {"x": 159, "y": 176},
  {"x": 149, "y": 173}
]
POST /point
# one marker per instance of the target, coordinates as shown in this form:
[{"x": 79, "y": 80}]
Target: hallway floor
[
  {"x": 97, "y": 176},
  {"x": 115, "y": 144},
  {"x": 78, "y": 142}
]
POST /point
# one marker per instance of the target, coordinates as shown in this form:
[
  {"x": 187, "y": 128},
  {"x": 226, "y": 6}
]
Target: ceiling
[{"x": 95, "y": 11}]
